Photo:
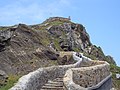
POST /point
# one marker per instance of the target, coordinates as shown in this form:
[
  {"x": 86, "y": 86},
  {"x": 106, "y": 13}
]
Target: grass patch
[
  {"x": 51, "y": 63},
  {"x": 53, "y": 23},
  {"x": 45, "y": 38},
  {"x": 46, "y": 25},
  {"x": 45, "y": 41},
  {"x": 76, "y": 49},
  {"x": 90, "y": 56},
  {"x": 57, "y": 46},
  {"x": 11, "y": 80},
  {"x": 115, "y": 70},
  {"x": 3, "y": 28},
  {"x": 56, "y": 23}
]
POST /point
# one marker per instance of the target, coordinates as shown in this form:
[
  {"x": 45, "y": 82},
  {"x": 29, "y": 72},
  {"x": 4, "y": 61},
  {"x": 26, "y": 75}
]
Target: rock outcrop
[
  {"x": 22, "y": 50},
  {"x": 70, "y": 36},
  {"x": 3, "y": 78},
  {"x": 25, "y": 48}
]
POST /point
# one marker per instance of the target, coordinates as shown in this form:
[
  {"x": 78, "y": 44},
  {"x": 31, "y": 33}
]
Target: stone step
[
  {"x": 51, "y": 88},
  {"x": 56, "y": 84},
  {"x": 58, "y": 79}
]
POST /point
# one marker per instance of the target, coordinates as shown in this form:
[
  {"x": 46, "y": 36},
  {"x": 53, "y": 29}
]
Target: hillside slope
[{"x": 24, "y": 48}]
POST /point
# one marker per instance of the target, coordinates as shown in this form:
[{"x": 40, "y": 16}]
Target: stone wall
[
  {"x": 51, "y": 19},
  {"x": 98, "y": 71},
  {"x": 89, "y": 78},
  {"x": 35, "y": 80}
]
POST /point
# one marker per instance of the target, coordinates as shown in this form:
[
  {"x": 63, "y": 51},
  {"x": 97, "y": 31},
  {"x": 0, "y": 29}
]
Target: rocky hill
[{"x": 24, "y": 48}]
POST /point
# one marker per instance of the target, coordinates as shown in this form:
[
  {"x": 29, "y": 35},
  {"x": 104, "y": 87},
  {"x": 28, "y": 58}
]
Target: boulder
[
  {"x": 5, "y": 36},
  {"x": 70, "y": 36},
  {"x": 66, "y": 60},
  {"x": 51, "y": 55}
]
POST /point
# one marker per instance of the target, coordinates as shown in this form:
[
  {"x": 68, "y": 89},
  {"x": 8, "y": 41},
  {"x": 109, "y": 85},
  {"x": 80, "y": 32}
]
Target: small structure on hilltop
[
  {"x": 69, "y": 18},
  {"x": 51, "y": 19}
]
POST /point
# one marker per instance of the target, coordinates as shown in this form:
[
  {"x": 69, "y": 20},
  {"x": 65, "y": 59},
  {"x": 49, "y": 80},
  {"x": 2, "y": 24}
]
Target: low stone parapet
[
  {"x": 83, "y": 75},
  {"x": 35, "y": 80},
  {"x": 88, "y": 78}
]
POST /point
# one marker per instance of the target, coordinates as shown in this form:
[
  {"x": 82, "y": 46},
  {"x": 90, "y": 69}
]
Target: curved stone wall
[
  {"x": 35, "y": 80},
  {"x": 94, "y": 77}
]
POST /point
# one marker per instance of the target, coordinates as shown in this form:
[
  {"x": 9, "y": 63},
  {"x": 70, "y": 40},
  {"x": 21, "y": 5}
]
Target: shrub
[{"x": 11, "y": 80}]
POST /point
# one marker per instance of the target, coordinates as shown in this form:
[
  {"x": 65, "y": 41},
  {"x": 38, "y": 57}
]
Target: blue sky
[{"x": 100, "y": 17}]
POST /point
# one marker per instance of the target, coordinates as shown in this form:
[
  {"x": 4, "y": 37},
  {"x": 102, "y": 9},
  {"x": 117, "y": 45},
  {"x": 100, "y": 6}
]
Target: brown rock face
[
  {"x": 25, "y": 48},
  {"x": 70, "y": 36},
  {"x": 3, "y": 78},
  {"x": 21, "y": 50}
]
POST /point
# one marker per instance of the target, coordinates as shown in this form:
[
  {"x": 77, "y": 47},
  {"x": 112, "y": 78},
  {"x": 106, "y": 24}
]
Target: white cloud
[
  {"x": 32, "y": 12},
  {"x": 65, "y": 2}
]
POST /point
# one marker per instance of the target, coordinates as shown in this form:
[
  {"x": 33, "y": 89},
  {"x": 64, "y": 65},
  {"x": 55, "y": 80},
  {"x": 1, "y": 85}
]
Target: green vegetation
[
  {"x": 90, "y": 56},
  {"x": 57, "y": 46},
  {"x": 3, "y": 28},
  {"x": 11, "y": 80},
  {"x": 52, "y": 63},
  {"x": 110, "y": 60},
  {"x": 45, "y": 38},
  {"x": 56, "y": 23},
  {"x": 48, "y": 24},
  {"x": 115, "y": 70},
  {"x": 45, "y": 41},
  {"x": 76, "y": 49},
  {"x": 64, "y": 34}
]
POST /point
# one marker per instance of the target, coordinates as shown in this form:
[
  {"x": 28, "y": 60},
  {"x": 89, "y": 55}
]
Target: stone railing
[
  {"x": 35, "y": 80},
  {"x": 94, "y": 76}
]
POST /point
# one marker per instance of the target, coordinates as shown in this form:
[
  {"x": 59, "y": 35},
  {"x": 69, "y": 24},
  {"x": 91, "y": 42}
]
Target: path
[{"x": 56, "y": 84}]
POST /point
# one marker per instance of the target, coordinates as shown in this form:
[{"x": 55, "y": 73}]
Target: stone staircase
[
  {"x": 56, "y": 84},
  {"x": 85, "y": 67}
]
